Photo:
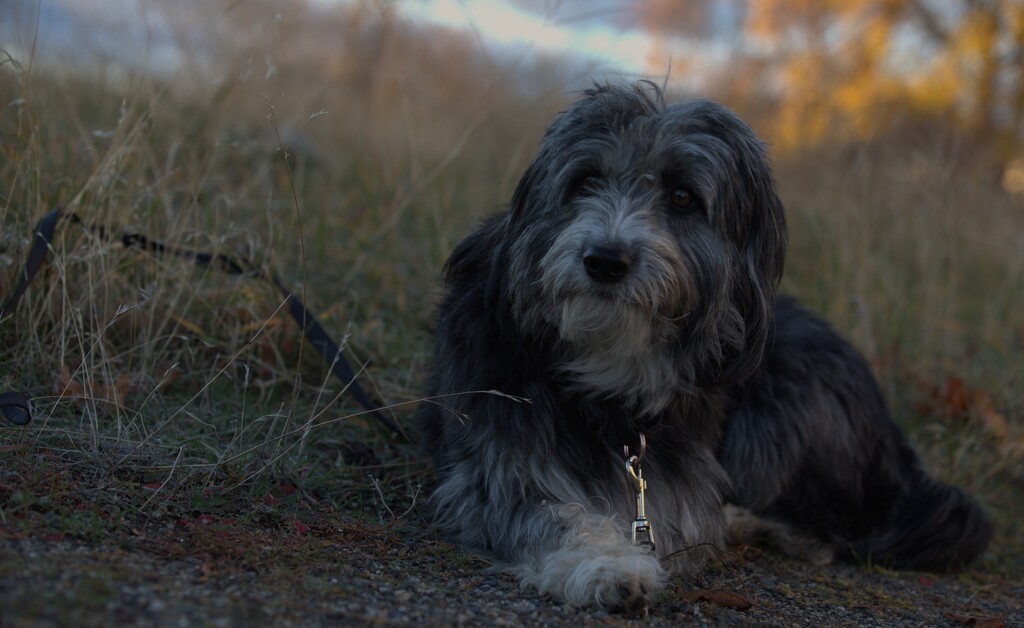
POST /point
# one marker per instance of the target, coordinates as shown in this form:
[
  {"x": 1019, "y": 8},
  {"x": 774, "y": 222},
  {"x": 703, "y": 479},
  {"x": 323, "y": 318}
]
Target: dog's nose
[{"x": 606, "y": 264}]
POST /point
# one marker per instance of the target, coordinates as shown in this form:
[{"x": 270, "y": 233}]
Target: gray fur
[{"x": 614, "y": 310}]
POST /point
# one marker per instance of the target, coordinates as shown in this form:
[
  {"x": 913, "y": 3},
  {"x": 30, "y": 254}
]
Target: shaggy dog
[{"x": 630, "y": 290}]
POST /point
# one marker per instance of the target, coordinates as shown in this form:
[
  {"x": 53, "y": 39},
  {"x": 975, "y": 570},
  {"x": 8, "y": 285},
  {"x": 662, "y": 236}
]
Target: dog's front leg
[
  {"x": 592, "y": 563},
  {"x": 574, "y": 551}
]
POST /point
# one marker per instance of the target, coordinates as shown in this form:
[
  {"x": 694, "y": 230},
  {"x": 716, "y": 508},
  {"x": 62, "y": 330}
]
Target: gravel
[{"x": 402, "y": 576}]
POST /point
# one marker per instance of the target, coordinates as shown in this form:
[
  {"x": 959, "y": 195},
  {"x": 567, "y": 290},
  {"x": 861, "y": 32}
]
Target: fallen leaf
[
  {"x": 956, "y": 402},
  {"x": 117, "y": 391},
  {"x": 726, "y": 599}
]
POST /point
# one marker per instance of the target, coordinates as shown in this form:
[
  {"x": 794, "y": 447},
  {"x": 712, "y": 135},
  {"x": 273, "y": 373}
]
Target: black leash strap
[
  {"x": 15, "y": 405},
  {"x": 36, "y": 256}
]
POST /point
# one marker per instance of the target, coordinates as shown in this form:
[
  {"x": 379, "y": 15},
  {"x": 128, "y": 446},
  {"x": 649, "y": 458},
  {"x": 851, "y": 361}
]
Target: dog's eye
[
  {"x": 682, "y": 198},
  {"x": 586, "y": 185}
]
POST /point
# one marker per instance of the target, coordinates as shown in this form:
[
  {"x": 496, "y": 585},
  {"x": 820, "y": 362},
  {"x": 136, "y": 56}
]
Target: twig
[
  {"x": 380, "y": 493},
  {"x": 164, "y": 483}
]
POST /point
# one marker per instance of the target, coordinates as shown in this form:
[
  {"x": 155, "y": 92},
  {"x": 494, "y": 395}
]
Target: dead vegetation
[{"x": 181, "y": 423}]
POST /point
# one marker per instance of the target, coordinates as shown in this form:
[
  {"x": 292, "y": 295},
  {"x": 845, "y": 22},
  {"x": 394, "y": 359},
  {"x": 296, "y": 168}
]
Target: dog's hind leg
[
  {"x": 743, "y": 526},
  {"x": 810, "y": 443}
]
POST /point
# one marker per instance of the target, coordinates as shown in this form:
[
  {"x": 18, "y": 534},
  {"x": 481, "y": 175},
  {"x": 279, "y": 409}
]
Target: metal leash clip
[{"x": 643, "y": 533}]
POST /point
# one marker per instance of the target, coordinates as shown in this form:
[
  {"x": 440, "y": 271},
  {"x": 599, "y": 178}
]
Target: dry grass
[
  {"x": 355, "y": 192},
  {"x": 355, "y": 204},
  {"x": 914, "y": 253},
  {"x": 917, "y": 255}
]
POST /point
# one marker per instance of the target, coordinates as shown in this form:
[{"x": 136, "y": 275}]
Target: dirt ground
[
  {"x": 84, "y": 543},
  {"x": 331, "y": 570}
]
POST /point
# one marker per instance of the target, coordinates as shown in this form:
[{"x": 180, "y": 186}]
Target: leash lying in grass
[{"x": 15, "y": 406}]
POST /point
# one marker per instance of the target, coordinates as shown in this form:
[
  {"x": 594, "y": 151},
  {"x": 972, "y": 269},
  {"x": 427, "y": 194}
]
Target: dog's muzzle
[{"x": 606, "y": 264}]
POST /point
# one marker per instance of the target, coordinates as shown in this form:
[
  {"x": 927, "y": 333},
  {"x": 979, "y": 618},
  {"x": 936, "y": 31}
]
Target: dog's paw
[
  {"x": 624, "y": 582},
  {"x": 629, "y": 593},
  {"x": 596, "y": 565}
]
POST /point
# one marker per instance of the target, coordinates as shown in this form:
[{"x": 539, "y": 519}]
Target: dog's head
[{"x": 651, "y": 237}]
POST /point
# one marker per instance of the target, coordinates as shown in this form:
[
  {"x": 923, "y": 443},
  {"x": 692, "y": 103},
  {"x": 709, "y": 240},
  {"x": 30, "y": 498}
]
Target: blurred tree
[
  {"x": 858, "y": 67},
  {"x": 861, "y": 66}
]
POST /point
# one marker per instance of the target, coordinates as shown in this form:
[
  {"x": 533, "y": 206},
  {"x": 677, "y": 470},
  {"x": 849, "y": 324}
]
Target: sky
[
  {"x": 604, "y": 35},
  {"x": 601, "y": 30},
  {"x": 598, "y": 29}
]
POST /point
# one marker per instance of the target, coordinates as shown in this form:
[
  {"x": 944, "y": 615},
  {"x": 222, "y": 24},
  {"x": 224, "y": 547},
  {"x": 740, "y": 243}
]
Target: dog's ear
[
  {"x": 763, "y": 253},
  {"x": 749, "y": 215},
  {"x": 475, "y": 254},
  {"x": 528, "y": 189},
  {"x": 757, "y": 225}
]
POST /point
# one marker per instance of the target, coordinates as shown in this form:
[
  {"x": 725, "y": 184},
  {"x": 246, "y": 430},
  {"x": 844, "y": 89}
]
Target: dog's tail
[{"x": 932, "y": 526}]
